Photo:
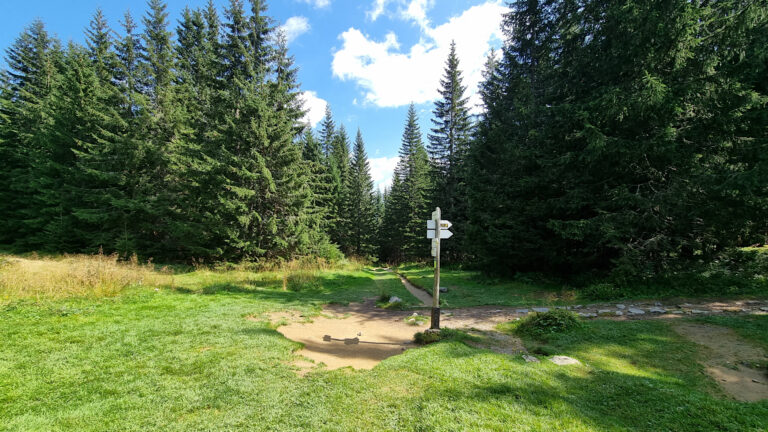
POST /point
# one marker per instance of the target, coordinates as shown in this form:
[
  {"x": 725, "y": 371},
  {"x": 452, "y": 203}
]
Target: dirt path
[
  {"x": 726, "y": 358},
  {"x": 359, "y": 335},
  {"x": 419, "y": 293}
]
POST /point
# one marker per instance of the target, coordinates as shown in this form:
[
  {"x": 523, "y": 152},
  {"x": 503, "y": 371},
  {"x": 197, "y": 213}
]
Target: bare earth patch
[
  {"x": 724, "y": 359},
  {"x": 359, "y": 335}
]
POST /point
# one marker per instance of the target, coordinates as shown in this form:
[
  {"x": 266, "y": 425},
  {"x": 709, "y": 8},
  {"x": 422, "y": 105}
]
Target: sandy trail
[
  {"x": 726, "y": 357},
  {"x": 359, "y": 335}
]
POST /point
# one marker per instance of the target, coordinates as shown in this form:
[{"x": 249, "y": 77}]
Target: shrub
[
  {"x": 302, "y": 280},
  {"x": 427, "y": 337},
  {"x": 543, "y": 325},
  {"x": 601, "y": 291}
]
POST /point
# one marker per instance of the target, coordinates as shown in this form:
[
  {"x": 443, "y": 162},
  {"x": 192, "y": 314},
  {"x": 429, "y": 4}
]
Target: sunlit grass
[{"x": 72, "y": 276}]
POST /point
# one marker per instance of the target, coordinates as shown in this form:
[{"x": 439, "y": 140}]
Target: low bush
[
  {"x": 543, "y": 325},
  {"x": 302, "y": 280},
  {"x": 601, "y": 291},
  {"x": 427, "y": 337}
]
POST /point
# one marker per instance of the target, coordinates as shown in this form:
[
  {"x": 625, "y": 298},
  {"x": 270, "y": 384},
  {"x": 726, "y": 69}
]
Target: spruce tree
[
  {"x": 407, "y": 206},
  {"x": 361, "y": 205},
  {"x": 448, "y": 145}
]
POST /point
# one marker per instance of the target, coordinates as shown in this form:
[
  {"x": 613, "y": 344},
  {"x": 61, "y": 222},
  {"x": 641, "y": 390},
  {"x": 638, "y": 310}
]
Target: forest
[{"x": 624, "y": 138}]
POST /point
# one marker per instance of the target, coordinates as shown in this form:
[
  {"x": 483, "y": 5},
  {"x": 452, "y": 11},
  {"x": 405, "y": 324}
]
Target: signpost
[{"x": 437, "y": 229}]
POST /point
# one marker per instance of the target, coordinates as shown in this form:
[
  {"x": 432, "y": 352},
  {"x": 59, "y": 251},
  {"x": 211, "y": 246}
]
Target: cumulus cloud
[
  {"x": 382, "y": 170},
  {"x": 391, "y": 77},
  {"x": 377, "y": 9},
  {"x": 318, "y": 3},
  {"x": 295, "y": 27},
  {"x": 314, "y": 106}
]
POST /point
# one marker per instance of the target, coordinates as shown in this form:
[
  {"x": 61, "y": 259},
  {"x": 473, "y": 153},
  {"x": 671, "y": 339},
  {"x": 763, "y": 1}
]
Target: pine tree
[
  {"x": 33, "y": 66},
  {"x": 448, "y": 146},
  {"x": 361, "y": 204},
  {"x": 407, "y": 204}
]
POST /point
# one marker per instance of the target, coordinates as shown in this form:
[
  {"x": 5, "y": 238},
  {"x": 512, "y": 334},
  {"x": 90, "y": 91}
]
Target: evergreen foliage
[
  {"x": 625, "y": 136},
  {"x": 177, "y": 148},
  {"x": 448, "y": 145},
  {"x": 407, "y": 204}
]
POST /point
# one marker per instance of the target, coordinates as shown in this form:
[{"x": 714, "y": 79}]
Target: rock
[
  {"x": 522, "y": 311},
  {"x": 530, "y": 359},
  {"x": 636, "y": 311},
  {"x": 395, "y": 299},
  {"x": 752, "y": 302},
  {"x": 756, "y": 381},
  {"x": 621, "y": 306},
  {"x": 443, "y": 289},
  {"x": 657, "y": 304},
  {"x": 699, "y": 312},
  {"x": 684, "y": 305},
  {"x": 657, "y": 310},
  {"x": 745, "y": 310},
  {"x": 677, "y": 312},
  {"x": 415, "y": 314},
  {"x": 563, "y": 360},
  {"x": 619, "y": 313},
  {"x": 541, "y": 310},
  {"x": 412, "y": 321},
  {"x": 578, "y": 307},
  {"x": 587, "y": 315},
  {"x": 605, "y": 312},
  {"x": 764, "y": 309}
]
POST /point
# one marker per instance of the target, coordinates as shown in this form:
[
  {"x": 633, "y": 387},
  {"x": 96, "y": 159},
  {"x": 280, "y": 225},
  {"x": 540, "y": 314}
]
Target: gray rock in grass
[
  {"x": 658, "y": 310},
  {"x": 395, "y": 299},
  {"x": 563, "y": 360},
  {"x": 530, "y": 359},
  {"x": 636, "y": 311}
]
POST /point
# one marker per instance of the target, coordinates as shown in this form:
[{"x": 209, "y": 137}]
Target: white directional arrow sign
[
  {"x": 444, "y": 224},
  {"x": 444, "y": 234}
]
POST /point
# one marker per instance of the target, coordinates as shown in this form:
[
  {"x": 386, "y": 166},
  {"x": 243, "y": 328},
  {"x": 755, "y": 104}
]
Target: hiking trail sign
[{"x": 437, "y": 229}]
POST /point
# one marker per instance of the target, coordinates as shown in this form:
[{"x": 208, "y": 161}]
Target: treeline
[
  {"x": 625, "y": 136},
  {"x": 177, "y": 146}
]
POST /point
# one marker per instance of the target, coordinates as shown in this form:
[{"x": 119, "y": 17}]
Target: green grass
[
  {"x": 472, "y": 288},
  {"x": 185, "y": 358},
  {"x": 754, "y": 327}
]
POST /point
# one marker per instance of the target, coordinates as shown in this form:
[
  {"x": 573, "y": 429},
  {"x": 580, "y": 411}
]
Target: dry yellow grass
[{"x": 71, "y": 276}]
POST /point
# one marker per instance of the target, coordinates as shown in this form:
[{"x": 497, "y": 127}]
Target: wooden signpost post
[{"x": 437, "y": 229}]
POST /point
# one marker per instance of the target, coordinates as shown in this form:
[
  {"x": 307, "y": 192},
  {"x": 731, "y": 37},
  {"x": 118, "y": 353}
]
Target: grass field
[{"x": 180, "y": 354}]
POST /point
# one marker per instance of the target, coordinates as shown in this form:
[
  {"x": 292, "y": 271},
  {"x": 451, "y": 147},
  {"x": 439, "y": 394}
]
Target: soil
[
  {"x": 361, "y": 335},
  {"x": 726, "y": 357}
]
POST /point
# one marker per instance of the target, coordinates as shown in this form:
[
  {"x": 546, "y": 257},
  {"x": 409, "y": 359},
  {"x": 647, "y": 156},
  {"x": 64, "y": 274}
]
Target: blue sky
[{"x": 368, "y": 59}]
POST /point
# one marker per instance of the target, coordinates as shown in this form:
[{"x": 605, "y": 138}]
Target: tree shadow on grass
[
  {"x": 636, "y": 376},
  {"x": 331, "y": 288}
]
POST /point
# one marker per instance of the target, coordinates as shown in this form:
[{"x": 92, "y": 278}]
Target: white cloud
[
  {"x": 382, "y": 170},
  {"x": 378, "y": 8},
  {"x": 391, "y": 77},
  {"x": 295, "y": 27},
  {"x": 314, "y": 106},
  {"x": 417, "y": 11},
  {"x": 318, "y": 3}
]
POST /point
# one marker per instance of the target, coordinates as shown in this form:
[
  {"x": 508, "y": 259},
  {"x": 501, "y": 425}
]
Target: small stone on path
[
  {"x": 621, "y": 306},
  {"x": 541, "y": 310},
  {"x": 587, "y": 315},
  {"x": 563, "y": 360},
  {"x": 619, "y": 313},
  {"x": 764, "y": 309},
  {"x": 605, "y": 312},
  {"x": 578, "y": 307},
  {"x": 657, "y": 310},
  {"x": 530, "y": 359},
  {"x": 522, "y": 311},
  {"x": 636, "y": 311}
]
